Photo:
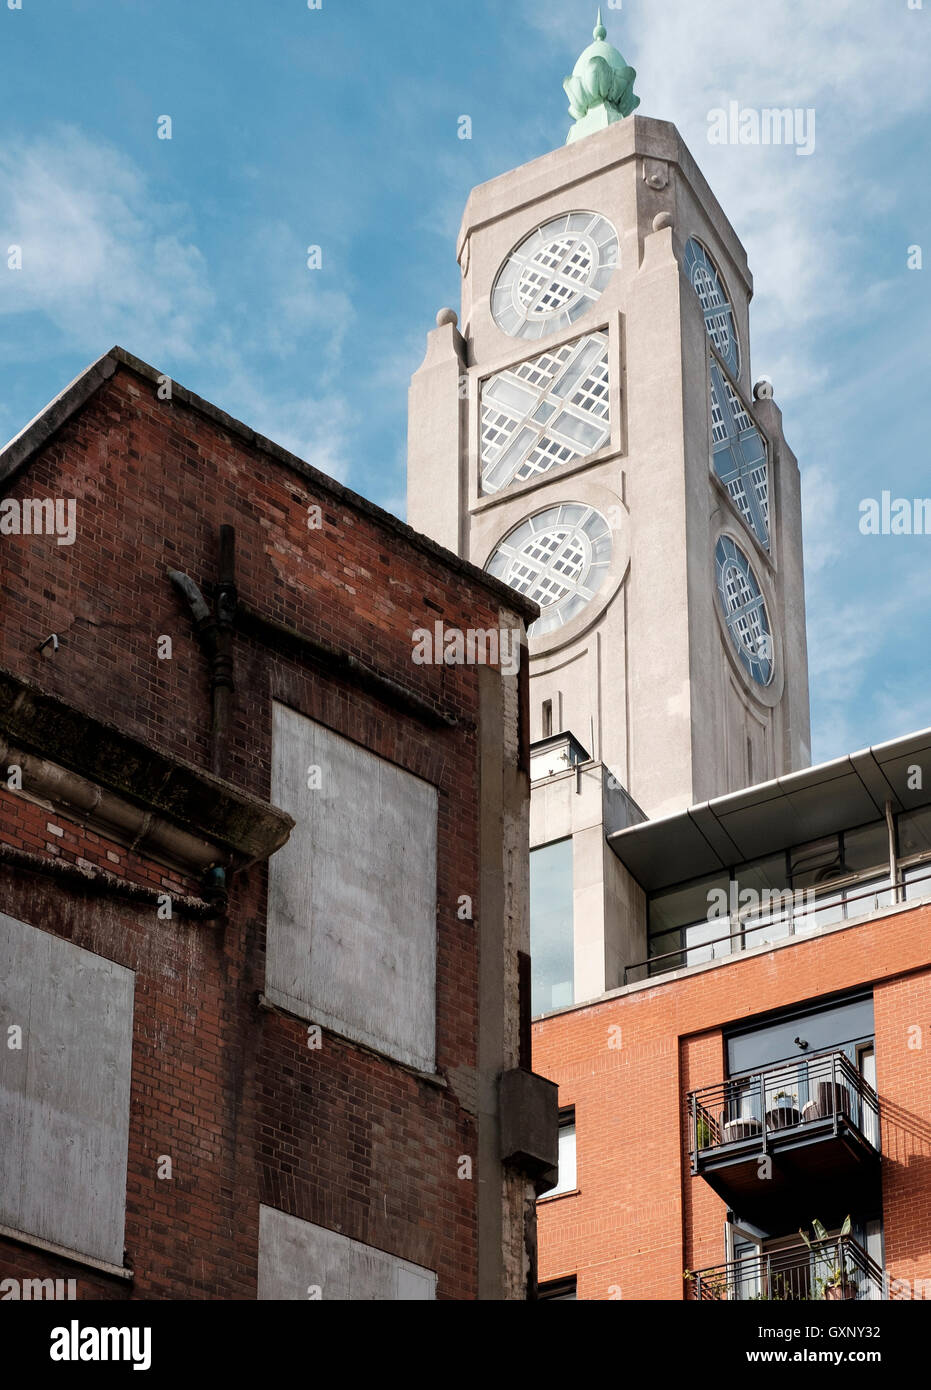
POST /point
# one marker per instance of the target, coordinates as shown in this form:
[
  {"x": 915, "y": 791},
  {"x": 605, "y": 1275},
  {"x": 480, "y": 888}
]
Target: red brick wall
[
  {"x": 232, "y": 1093},
  {"x": 903, "y": 1081},
  {"x": 29, "y": 826},
  {"x": 640, "y": 1219},
  {"x": 702, "y": 1062}
]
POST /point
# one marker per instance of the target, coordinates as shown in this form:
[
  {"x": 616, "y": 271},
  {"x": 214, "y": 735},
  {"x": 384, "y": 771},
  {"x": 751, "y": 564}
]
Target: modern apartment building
[
  {"x": 764, "y": 1064},
  {"x": 264, "y": 982}
]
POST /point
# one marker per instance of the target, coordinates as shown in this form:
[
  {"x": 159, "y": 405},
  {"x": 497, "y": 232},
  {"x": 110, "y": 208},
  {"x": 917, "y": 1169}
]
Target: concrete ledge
[
  {"x": 202, "y": 805},
  {"x": 86, "y": 879},
  {"x": 63, "y": 1253}
]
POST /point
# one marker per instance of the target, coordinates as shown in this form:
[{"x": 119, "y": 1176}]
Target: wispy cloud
[
  {"x": 96, "y": 247},
  {"x": 105, "y": 260},
  {"x": 870, "y": 654}
]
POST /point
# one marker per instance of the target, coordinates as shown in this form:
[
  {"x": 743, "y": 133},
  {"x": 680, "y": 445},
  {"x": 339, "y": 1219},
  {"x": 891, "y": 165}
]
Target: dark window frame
[{"x": 565, "y": 1290}]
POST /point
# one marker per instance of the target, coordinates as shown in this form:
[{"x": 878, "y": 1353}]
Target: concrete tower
[{"x": 591, "y": 436}]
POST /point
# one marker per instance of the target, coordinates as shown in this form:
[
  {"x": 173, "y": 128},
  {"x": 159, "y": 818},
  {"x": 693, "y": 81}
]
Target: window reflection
[
  {"x": 551, "y": 937},
  {"x": 806, "y": 888}
]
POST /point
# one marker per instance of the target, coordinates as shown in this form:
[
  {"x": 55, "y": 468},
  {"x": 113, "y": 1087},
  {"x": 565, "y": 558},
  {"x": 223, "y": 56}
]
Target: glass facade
[
  {"x": 551, "y": 943},
  {"x": 680, "y": 922},
  {"x": 802, "y": 889}
]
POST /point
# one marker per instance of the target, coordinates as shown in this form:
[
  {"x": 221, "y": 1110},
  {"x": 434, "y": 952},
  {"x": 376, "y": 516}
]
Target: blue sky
[{"x": 338, "y": 127}]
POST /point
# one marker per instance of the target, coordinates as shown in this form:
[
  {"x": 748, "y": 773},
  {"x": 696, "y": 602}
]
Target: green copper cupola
[{"x": 601, "y": 88}]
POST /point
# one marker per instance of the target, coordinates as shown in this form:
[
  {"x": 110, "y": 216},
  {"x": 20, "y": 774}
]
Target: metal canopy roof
[{"x": 720, "y": 834}]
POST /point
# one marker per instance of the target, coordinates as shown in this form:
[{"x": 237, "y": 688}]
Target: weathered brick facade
[{"x": 226, "y": 1086}]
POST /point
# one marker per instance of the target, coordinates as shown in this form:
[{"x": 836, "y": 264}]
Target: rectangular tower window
[
  {"x": 547, "y": 718},
  {"x": 551, "y": 926},
  {"x": 558, "y": 1291}
]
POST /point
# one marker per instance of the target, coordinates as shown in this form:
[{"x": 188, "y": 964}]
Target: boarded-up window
[
  {"x": 301, "y": 1261},
  {"x": 352, "y": 895},
  {"x": 64, "y": 1095}
]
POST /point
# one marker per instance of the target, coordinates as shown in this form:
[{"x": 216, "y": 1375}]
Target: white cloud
[
  {"x": 821, "y": 502},
  {"x": 106, "y": 261},
  {"x": 867, "y": 686},
  {"x": 96, "y": 249},
  {"x": 861, "y": 69},
  {"x": 317, "y": 429},
  {"x": 305, "y": 300},
  {"x": 901, "y": 711}
]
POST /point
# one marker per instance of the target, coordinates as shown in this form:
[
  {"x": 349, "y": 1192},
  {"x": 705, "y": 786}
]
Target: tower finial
[{"x": 601, "y": 88}]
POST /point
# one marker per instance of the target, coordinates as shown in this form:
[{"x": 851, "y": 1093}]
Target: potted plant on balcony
[
  {"x": 710, "y": 1284},
  {"x": 830, "y": 1257},
  {"x": 783, "y": 1111},
  {"x": 786, "y": 1101},
  {"x": 703, "y": 1132}
]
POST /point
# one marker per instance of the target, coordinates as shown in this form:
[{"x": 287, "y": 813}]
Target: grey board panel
[
  {"x": 352, "y": 895},
  {"x": 296, "y": 1258},
  {"x": 64, "y": 1098}
]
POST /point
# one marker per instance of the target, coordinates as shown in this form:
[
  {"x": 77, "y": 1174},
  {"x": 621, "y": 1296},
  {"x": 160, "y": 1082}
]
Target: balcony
[
  {"x": 832, "y": 1269},
  {"x": 817, "y": 1121},
  {"x": 786, "y": 916}
]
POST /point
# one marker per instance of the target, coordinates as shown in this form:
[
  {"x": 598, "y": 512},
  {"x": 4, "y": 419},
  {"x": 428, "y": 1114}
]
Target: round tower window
[
  {"x": 560, "y": 558},
  {"x": 555, "y": 275}
]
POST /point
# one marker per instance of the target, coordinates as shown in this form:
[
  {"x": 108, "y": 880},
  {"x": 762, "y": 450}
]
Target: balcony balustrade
[
  {"x": 816, "y": 1120},
  {"x": 834, "y": 1269}
]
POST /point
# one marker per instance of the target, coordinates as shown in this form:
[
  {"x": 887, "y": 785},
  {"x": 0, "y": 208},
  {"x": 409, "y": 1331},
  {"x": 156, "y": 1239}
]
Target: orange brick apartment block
[{"x": 629, "y": 1063}]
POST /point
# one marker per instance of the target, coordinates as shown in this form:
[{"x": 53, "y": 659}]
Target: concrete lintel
[
  {"x": 201, "y": 804},
  {"x": 63, "y": 1253}
]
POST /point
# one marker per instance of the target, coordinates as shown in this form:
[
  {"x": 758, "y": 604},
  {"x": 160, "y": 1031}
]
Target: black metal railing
[
  {"x": 769, "y": 1105},
  {"x": 837, "y": 1268},
  {"x": 790, "y": 914}
]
